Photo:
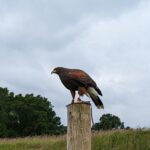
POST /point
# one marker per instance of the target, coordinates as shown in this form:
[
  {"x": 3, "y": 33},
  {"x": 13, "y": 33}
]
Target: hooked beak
[{"x": 54, "y": 71}]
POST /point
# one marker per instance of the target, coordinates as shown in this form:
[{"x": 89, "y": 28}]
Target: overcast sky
[{"x": 110, "y": 40}]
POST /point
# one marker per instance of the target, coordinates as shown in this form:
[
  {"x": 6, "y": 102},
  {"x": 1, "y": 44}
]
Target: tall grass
[
  {"x": 34, "y": 143},
  {"x": 106, "y": 140},
  {"x": 121, "y": 140}
]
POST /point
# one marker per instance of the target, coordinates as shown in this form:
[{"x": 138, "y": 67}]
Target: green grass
[
  {"x": 106, "y": 140},
  {"x": 34, "y": 143},
  {"x": 121, "y": 140}
]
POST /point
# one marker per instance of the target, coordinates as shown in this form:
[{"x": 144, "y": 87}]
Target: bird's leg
[
  {"x": 81, "y": 92},
  {"x": 72, "y": 101},
  {"x": 73, "y": 96}
]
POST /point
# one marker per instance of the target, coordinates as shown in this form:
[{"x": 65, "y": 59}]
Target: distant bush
[{"x": 107, "y": 122}]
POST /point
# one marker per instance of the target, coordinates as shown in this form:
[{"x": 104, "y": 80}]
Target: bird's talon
[{"x": 79, "y": 99}]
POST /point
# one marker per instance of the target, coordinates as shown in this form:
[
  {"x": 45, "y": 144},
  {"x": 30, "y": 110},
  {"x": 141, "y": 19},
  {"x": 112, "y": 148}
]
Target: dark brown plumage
[{"x": 78, "y": 80}]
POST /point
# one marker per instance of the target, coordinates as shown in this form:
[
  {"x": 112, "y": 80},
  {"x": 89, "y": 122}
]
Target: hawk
[{"x": 78, "y": 80}]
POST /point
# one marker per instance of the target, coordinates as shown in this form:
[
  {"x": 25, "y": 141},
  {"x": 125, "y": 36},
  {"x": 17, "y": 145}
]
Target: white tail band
[{"x": 92, "y": 91}]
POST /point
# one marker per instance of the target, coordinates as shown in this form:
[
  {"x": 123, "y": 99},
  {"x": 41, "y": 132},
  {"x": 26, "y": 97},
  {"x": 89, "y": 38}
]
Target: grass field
[{"x": 108, "y": 140}]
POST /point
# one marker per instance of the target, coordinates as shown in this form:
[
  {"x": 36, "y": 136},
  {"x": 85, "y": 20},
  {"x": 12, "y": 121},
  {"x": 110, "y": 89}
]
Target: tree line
[{"x": 31, "y": 115}]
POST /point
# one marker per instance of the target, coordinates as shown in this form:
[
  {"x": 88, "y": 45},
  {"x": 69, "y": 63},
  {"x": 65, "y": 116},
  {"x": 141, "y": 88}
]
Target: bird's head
[{"x": 57, "y": 70}]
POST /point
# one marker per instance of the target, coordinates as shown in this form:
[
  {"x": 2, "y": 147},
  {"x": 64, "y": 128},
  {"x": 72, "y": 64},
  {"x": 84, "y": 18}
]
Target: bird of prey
[{"x": 78, "y": 80}]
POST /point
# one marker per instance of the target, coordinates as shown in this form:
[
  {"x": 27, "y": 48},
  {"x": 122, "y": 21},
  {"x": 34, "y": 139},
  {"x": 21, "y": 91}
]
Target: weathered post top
[{"x": 79, "y": 126}]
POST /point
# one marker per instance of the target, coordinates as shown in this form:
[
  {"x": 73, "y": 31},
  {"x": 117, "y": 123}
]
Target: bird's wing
[
  {"x": 84, "y": 79},
  {"x": 81, "y": 77}
]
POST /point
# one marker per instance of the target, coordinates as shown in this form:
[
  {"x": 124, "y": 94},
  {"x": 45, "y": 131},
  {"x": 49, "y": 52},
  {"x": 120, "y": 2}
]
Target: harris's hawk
[{"x": 78, "y": 80}]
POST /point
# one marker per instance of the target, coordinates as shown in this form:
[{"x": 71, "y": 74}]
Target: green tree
[
  {"x": 3, "y": 111},
  {"x": 108, "y": 121},
  {"x": 27, "y": 115}
]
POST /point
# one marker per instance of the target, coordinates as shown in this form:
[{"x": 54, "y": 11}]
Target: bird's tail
[{"x": 94, "y": 96}]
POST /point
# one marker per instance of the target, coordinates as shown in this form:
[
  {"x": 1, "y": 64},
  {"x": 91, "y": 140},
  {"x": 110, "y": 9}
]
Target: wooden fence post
[{"x": 79, "y": 126}]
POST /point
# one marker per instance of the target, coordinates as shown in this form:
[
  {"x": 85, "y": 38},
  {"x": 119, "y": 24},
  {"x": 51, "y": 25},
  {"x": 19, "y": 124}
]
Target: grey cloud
[
  {"x": 107, "y": 39},
  {"x": 32, "y": 24}
]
